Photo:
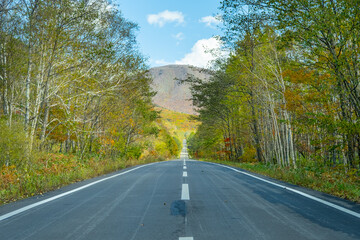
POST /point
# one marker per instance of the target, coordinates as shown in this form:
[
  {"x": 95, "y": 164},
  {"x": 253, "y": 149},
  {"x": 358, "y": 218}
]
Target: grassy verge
[
  {"x": 52, "y": 171},
  {"x": 333, "y": 181}
]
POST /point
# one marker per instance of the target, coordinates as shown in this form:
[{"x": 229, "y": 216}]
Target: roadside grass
[
  {"x": 52, "y": 171},
  {"x": 330, "y": 180}
]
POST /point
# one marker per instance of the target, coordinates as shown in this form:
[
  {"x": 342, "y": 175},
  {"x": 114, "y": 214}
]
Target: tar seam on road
[
  {"x": 345, "y": 210},
  {"x": 23, "y": 209}
]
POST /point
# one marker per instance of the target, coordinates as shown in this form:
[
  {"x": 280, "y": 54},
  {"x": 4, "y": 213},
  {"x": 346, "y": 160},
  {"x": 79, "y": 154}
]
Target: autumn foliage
[{"x": 288, "y": 95}]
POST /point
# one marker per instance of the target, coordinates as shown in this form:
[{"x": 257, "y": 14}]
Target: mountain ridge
[{"x": 173, "y": 94}]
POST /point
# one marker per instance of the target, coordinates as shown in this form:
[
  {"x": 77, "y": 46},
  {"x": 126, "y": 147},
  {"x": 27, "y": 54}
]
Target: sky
[{"x": 175, "y": 31}]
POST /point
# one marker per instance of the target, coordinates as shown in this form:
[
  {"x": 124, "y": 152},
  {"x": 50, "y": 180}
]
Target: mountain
[{"x": 171, "y": 93}]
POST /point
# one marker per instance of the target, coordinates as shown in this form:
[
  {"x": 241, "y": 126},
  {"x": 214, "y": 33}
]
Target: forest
[
  {"x": 75, "y": 96},
  {"x": 288, "y": 95}
]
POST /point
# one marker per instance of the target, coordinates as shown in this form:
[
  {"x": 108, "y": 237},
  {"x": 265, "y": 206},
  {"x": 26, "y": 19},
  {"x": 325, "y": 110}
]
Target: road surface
[{"x": 180, "y": 199}]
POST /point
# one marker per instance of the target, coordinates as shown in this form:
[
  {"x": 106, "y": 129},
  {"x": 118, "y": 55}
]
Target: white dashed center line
[
  {"x": 185, "y": 187},
  {"x": 185, "y": 192}
]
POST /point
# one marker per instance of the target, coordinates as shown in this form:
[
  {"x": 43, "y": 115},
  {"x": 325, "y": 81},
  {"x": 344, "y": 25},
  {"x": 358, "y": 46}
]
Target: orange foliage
[
  {"x": 298, "y": 76},
  {"x": 8, "y": 176},
  {"x": 293, "y": 100}
]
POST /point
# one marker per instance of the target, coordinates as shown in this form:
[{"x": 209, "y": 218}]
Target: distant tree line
[{"x": 289, "y": 92}]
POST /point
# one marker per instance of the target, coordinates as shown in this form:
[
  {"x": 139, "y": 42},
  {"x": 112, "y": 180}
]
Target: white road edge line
[
  {"x": 185, "y": 192},
  {"x": 186, "y": 238},
  {"x": 23, "y": 209},
  {"x": 355, "y": 214},
  {"x": 184, "y": 174}
]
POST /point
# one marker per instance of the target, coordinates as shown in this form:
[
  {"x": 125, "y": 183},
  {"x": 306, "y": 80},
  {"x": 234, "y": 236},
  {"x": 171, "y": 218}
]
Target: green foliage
[
  {"x": 167, "y": 145},
  {"x": 207, "y": 142},
  {"x": 173, "y": 144},
  {"x": 134, "y": 152},
  {"x": 13, "y": 144}
]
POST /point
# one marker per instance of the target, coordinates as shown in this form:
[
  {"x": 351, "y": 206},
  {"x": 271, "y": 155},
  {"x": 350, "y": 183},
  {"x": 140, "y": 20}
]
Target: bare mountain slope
[{"x": 171, "y": 94}]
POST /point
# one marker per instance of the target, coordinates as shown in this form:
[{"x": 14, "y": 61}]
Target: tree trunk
[
  {"x": 256, "y": 133},
  {"x": 4, "y": 77},
  {"x": 27, "y": 82}
]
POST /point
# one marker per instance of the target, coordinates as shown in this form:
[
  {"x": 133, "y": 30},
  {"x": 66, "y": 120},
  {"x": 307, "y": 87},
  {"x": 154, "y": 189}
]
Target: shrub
[
  {"x": 134, "y": 152},
  {"x": 13, "y": 144}
]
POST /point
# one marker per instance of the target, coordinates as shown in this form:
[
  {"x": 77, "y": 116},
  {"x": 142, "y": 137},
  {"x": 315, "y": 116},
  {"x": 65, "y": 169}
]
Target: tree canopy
[{"x": 289, "y": 92}]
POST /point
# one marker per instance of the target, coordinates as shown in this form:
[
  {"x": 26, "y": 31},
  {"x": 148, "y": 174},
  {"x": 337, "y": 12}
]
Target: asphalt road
[{"x": 159, "y": 201}]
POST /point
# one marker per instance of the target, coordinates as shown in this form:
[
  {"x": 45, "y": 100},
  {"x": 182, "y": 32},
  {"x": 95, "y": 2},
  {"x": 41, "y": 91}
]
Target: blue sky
[{"x": 174, "y": 31}]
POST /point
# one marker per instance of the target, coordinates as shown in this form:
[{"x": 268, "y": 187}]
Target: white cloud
[
  {"x": 210, "y": 21},
  {"x": 180, "y": 36},
  {"x": 161, "y": 62},
  {"x": 164, "y": 17},
  {"x": 203, "y": 53}
]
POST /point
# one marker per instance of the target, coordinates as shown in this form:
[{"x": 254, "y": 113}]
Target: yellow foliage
[{"x": 179, "y": 124}]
